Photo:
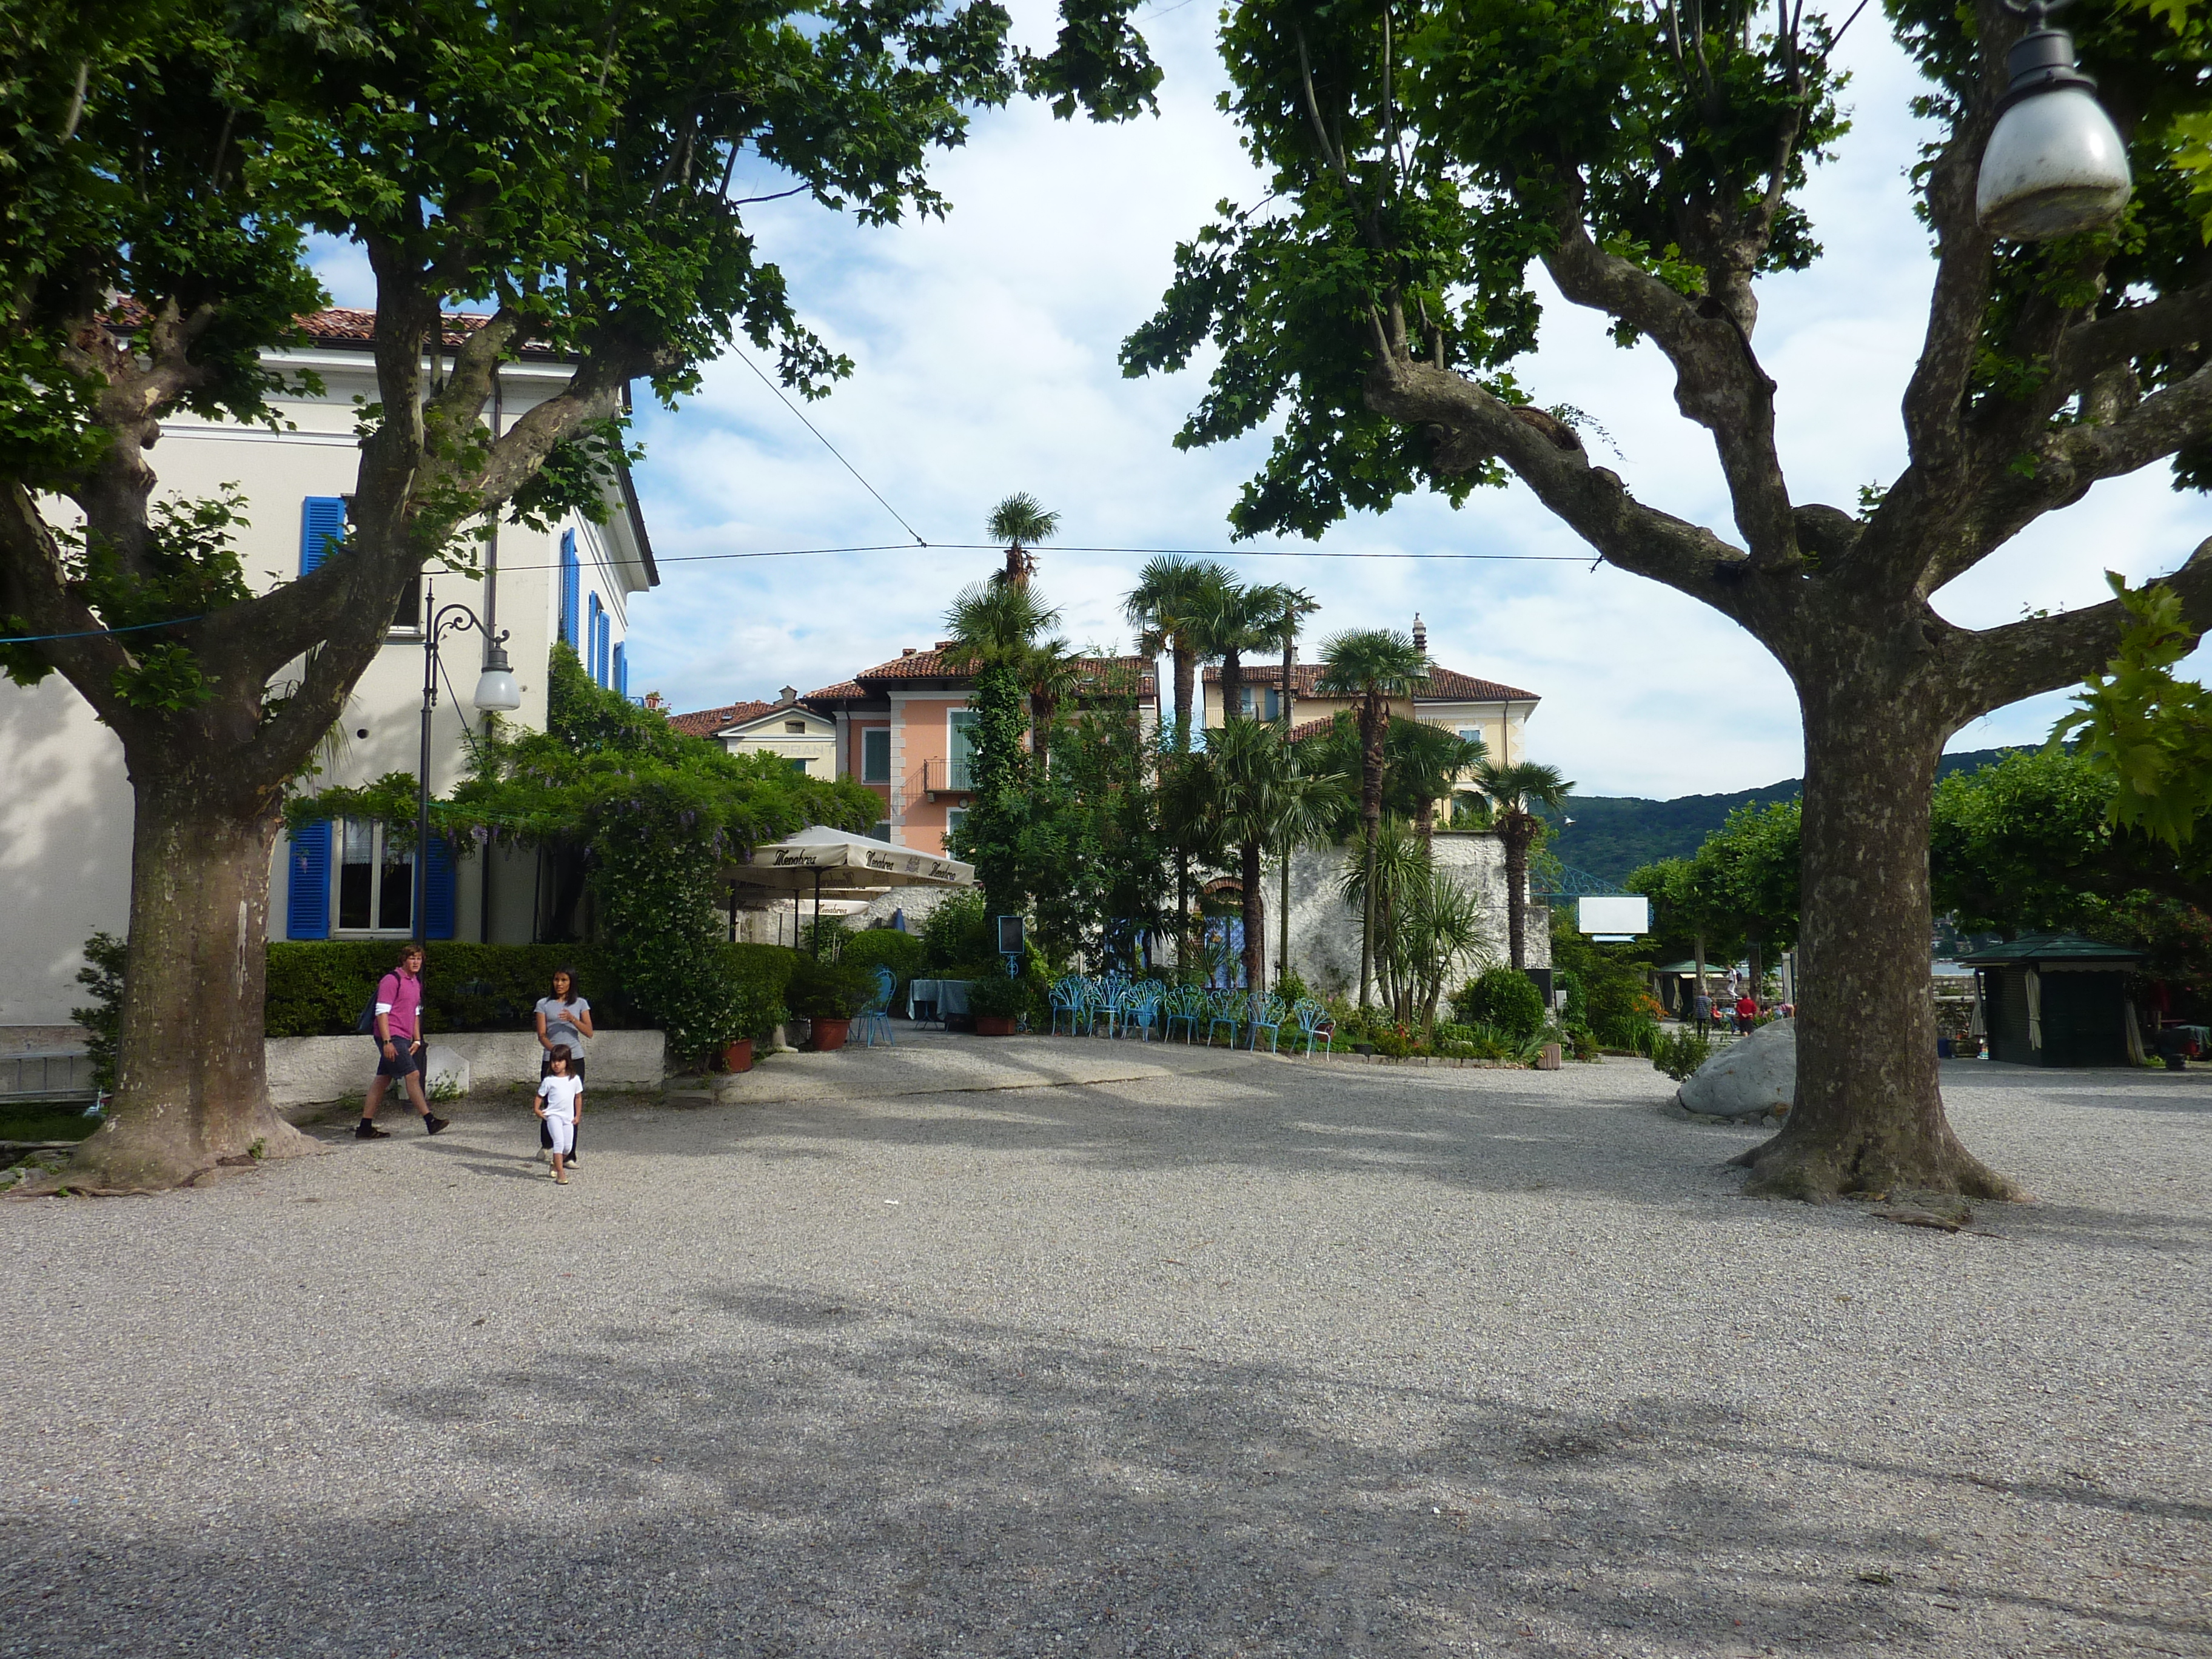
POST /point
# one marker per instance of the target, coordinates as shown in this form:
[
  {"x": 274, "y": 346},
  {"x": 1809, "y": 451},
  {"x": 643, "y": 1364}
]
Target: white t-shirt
[
  {"x": 560, "y": 1022},
  {"x": 559, "y": 1094}
]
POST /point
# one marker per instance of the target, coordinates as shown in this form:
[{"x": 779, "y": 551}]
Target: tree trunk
[
  {"x": 1255, "y": 918},
  {"x": 1869, "y": 1115},
  {"x": 1515, "y": 834},
  {"x": 1371, "y": 728},
  {"x": 1232, "y": 683},
  {"x": 1283, "y": 923},
  {"x": 192, "y": 1085},
  {"x": 1186, "y": 679}
]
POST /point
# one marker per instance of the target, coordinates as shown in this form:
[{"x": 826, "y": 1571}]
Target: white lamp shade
[
  {"x": 2054, "y": 166},
  {"x": 497, "y": 692}
]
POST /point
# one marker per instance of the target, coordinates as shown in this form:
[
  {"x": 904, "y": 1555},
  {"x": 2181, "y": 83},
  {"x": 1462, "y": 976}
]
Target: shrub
[
  {"x": 959, "y": 931},
  {"x": 317, "y": 989},
  {"x": 830, "y": 990},
  {"x": 104, "y": 1019},
  {"x": 1680, "y": 1054},
  {"x": 886, "y": 947},
  {"x": 998, "y": 997},
  {"x": 1293, "y": 989},
  {"x": 1503, "y": 996}
]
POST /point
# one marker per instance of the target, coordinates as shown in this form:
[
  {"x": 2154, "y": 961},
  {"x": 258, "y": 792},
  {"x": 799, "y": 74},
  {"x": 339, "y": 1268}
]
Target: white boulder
[
  {"x": 446, "y": 1072},
  {"x": 1749, "y": 1077}
]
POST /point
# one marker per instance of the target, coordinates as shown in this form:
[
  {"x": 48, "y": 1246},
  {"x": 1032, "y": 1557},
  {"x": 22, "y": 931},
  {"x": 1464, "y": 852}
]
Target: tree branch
[
  {"x": 2173, "y": 322},
  {"x": 1936, "y": 399},
  {"x": 2001, "y": 665}
]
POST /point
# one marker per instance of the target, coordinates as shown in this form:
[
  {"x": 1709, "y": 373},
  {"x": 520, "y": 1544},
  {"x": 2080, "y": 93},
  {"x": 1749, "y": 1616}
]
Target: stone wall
[
  {"x": 305, "y": 1071},
  {"x": 1325, "y": 930}
]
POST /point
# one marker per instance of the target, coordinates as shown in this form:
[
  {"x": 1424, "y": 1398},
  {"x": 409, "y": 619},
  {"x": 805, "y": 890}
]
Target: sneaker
[
  {"x": 364, "y": 1130},
  {"x": 433, "y": 1123}
]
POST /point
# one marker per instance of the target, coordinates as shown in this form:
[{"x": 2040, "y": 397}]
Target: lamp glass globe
[
  {"x": 2054, "y": 166},
  {"x": 497, "y": 692}
]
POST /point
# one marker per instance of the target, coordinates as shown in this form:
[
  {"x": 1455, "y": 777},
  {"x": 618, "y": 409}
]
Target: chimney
[
  {"x": 789, "y": 694},
  {"x": 1421, "y": 634},
  {"x": 905, "y": 651},
  {"x": 945, "y": 645}
]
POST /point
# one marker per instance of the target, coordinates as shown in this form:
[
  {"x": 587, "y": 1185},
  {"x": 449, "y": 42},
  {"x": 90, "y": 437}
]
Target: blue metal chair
[
  {"x": 1067, "y": 999},
  {"x": 1186, "y": 1004},
  {"x": 1229, "y": 1010},
  {"x": 1313, "y": 1022},
  {"x": 876, "y": 1016},
  {"x": 1141, "y": 1007},
  {"x": 1267, "y": 1015}
]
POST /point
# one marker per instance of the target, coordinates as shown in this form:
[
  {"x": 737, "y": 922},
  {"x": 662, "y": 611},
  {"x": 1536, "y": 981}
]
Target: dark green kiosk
[{"x": 2055, "y": 1000}]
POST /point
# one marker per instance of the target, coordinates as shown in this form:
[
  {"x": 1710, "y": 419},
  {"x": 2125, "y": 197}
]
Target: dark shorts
[
  {"x": 545, "y": 1069},
  {"x": 405, "y": 1061}
]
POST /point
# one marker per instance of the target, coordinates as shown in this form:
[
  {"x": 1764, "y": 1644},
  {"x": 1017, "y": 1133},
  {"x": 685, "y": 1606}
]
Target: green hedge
[
  {"x": 904, "y": 954},
  {"x": 318, "y": 989}
]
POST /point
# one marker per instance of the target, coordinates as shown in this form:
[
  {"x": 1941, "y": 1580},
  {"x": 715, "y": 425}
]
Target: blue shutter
[
  {"x": 593, "y": 639},
  {"x": 438, "y": 890},
  {"x": 621, "y": 671},
  {"x": 322, "y": 523},
  {"x": 571, "y": 587},
  {"x": 307, "y": 885}
]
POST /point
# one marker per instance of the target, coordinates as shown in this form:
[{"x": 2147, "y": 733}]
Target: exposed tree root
[
  {"x": 1818, "y": 1169},
  {"x": 125, "y": 1158}
]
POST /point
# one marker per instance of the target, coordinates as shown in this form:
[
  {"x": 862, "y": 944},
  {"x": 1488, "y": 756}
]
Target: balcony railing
[{"x": 953, "y": 777}]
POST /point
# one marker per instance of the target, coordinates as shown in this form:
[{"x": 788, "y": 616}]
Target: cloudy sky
[{"x": 985, "y": 347}]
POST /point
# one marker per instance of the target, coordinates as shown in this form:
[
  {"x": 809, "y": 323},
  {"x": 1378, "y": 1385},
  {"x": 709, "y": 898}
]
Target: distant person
[
  {"x": 564, "y": 1019},
  {"x": 560, "y": 1104},
  {"x": 1701, "y": 1013},
  {"x": 1746, "y": 1012},
  {"x": 398, "y": 1025}
]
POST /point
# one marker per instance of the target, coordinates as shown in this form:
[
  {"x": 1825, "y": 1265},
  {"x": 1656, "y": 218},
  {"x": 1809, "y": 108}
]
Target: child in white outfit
[{"x": 561, "y": 1102}]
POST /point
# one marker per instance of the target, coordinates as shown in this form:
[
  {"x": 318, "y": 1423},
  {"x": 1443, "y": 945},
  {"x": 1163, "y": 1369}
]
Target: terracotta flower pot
[
  {"x": 995, "y": 1024},
  {"x": 737, "y": 1056},
  {"x": 829, "y": 1035}
]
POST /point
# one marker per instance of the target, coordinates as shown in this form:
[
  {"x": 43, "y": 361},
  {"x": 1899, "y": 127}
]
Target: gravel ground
[{"x": 1261, "y": 1357}]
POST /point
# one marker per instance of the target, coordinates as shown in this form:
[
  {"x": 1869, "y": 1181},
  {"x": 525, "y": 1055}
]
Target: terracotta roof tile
[
  {"x": 843, "y": 691},
  {"x": 348, "y": 325},
  {"x": 1443, "y": 685},
  {"x": 707, "y": 721},
  {"x": 932, "y": 665}
]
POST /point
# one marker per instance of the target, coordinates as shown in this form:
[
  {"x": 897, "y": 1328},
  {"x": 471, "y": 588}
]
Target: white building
[{"x": 65, "y": 819}]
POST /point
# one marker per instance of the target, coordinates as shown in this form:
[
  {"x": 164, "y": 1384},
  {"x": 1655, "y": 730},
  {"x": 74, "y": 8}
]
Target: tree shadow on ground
[{"x": 834, "y": 1478}]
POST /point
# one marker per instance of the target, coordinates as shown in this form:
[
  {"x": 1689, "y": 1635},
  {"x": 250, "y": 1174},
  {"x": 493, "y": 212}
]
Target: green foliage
[
  {"x": 997, "y": 996},
  {"x": 904, "y": 954},
  {"x": 959, "y": 933},
  {"x": 829, "y": 990},
  {"x": 1680, "y": 1054},
  {"x": 106, "y": 956},
  {"x": 1609, "y": 981},
  {"x": 2146, "y": 732},
  {"x": 2023, "y": 846},
  {"x": 317, "y": 988},
  {"x": 1502, "y": 997}
]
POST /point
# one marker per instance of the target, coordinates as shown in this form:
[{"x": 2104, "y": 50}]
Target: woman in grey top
[{"x": 564, "y": 1017}]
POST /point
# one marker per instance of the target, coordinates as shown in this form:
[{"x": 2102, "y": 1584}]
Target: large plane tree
[
  {"x": 567, "y": 169},
  {"x": 1427, "y": 156}
]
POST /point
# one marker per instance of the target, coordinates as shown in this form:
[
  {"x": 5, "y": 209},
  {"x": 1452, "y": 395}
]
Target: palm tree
[
  {"x": 1514, "y": 791},
  {"x": 996, "y": 624},
  {"x": 1373, "y": 665},
  {"x": 1254, "y": 795},
  {"x": 1427, "y": 760},
  {"x": 1233, "y": 620},
  {"x": 1166, "y": 608},
  {"x": 1017, "y": 520}
]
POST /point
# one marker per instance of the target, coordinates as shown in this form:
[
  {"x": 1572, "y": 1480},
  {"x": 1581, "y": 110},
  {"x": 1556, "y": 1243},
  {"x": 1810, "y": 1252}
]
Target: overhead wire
[{"x": 743, "y": 358}]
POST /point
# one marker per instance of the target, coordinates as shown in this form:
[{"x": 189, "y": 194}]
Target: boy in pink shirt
[{"x": 398, "y": 1044}]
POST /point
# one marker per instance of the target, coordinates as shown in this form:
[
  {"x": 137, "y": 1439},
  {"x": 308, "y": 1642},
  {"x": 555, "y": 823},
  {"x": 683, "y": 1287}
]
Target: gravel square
[{"x": 1059, "y": 1346}]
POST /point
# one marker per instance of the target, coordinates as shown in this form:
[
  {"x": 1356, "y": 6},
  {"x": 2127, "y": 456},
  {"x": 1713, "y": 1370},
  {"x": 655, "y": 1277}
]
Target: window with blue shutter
[
  {"x": 438, "y": 890},
  {"x": 322, "y": 527},
  {"x": 572, "y": 585},
  {"x": 596, "y": 640},
  {"x": 307, "y": 885},
  {"x": 621, "y": 671}
]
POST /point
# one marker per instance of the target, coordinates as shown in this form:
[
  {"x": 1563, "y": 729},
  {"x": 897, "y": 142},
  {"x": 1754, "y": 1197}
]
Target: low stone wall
[
  {"x": 1325, "y": 930},
  {"x": 306, "y": 1070}
]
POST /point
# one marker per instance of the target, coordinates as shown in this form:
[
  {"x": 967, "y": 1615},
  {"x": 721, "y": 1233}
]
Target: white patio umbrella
[{"x": 839, "y": 863}]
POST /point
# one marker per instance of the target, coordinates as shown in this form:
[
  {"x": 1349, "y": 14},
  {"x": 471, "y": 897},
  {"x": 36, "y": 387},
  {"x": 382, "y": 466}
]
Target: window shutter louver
[
  {"x": 622, "y": 672},
  {"x": 307, "y": 885},
  {"x": 322, "y": 523},
  {"x": 438, "y": 890}
]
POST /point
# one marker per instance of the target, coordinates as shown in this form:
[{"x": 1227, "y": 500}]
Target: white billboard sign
[{"x": 1622, "y": 917}]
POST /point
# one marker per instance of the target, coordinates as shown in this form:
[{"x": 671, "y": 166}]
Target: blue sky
[{"x": 985, "y": 347}]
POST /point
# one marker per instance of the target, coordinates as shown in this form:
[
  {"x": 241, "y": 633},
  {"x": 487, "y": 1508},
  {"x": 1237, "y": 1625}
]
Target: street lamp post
[
  {"x": 497, "y": 693},
  {"x": 2054, "y": 164}
]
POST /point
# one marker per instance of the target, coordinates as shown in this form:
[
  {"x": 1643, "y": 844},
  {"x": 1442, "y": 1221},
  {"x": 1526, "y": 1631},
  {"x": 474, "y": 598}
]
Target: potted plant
[
  {"x": 828, "y": 994},
  {"x": 998, "y": 1004},
  {"x": 756, "y": 1013}
]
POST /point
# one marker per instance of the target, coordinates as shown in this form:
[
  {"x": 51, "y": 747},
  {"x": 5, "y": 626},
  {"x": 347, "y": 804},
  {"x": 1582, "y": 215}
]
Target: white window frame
[{"x": 377, "y": 830}]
